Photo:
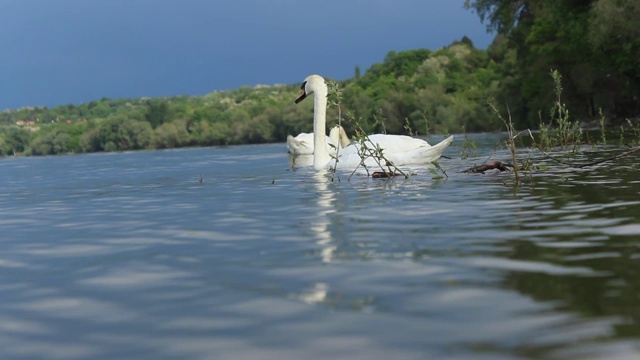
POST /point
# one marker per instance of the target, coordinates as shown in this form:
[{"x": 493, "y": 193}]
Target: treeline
[
  {"x": 419, "y": 90},
  {"x": 593, "y": 44},
  {"x": 427, "y": 91},
  {"x": 245, "y": 115}
]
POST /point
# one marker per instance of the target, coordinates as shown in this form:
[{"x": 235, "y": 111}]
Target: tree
[
  {"x": 171, "y": 135},
  {"x": 614, "y": 35},
  {"x": 54, "y": 141},
  {"x": 117, "y": 133},
  {"x": 247, "y": 129},
  {"x": 16, "y": 140},
  {"x": 157, "y": 113},
  {"x": 593, "y": 43}
]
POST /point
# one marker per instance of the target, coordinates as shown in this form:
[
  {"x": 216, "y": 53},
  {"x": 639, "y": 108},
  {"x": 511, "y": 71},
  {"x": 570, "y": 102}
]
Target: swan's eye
[{"x": 303, "y": 85}]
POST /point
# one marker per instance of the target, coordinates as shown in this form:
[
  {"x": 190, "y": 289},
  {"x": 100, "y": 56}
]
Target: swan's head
[{"x": 313, "y": 83}]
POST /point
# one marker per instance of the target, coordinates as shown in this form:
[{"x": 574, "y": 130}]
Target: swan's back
[
  {"x": 301, "y": 144},
  {"x": 417, "y": 155},
  {"x": 399, "y": 149},
  {"x": 397, "y": 143}
]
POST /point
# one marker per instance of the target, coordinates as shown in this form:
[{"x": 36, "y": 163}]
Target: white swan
[
  {"x": 399, "y": 149},
  {"x": 303, "y": 143}
]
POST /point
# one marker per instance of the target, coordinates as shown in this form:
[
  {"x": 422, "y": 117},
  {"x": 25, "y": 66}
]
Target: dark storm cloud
[{"x": 73, "y": 51}]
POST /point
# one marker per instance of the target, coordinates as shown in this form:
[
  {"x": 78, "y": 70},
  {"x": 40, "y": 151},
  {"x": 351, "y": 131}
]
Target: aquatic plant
[
  {"x": 467, "y": 147},
  {"x": 437, "y": 171},
  {"x": 510, "y": 142},
  {"x": 602, "y": 120},
  {"x": 559, "y": 131},
  {"x": 633, "y": 129}
]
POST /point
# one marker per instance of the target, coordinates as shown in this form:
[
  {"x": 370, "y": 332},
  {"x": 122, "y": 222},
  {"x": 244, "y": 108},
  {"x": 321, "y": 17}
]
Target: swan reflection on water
[
  {"x": 315, "y": 295},
  {"x": 320, "y": 234},
  {"x": 300, "y": 160},
  {"x": 320, "y": 227}
]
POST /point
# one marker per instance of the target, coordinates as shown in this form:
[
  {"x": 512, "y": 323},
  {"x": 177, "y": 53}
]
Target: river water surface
[{"x": 131, "y": 256}]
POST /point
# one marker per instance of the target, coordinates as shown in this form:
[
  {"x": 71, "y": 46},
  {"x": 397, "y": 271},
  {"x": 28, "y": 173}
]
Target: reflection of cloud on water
[
  {"x": 315, "y": 295},
  {"x": 65, "y": 250},
  {"x": 205, "y": 323},
  {"x": 138, "y": 276},
  {"x": 46, "y": 349},
  {"x": 630, "y": 229},
  {"x": 13, "y": 325},
  {"x": 6, "y": 263},
  {"x": 76, "y": 308},
  {"x": 530, "y": 266}
]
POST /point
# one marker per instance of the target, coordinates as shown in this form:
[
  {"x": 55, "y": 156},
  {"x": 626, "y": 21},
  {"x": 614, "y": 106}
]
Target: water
[{"x": 129, "y": 255}]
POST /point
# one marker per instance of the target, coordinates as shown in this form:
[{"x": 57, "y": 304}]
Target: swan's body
[
  {"x": 398, "y": 149},
  {"x": 303, "y": 143}
]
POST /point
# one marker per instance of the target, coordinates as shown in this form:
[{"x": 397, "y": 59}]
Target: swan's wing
[
  {"x": 421, "y": 155},
  {"x": 349, "y": 157},
  {"x": 397, "y": 143},
  {"x": 305, "y": 137}
]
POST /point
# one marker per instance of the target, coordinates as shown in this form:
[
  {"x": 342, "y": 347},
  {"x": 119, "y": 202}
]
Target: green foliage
[
  {"x": 116, "y": 134},
  {"x": 633, "y": 133},
  {"x": 437, "y": 171},
  {"x": 559, "y": 131},
  {"x": 14, "y": 140},
  {"x": 448, "y": 87},
  {"x": 54, "y": 142},
  {"x": 467, "y": 147},
  {"x": 510, "y": 142},
  {"x": 157, "y": 112},
  {"x": 594, "y": 44}
]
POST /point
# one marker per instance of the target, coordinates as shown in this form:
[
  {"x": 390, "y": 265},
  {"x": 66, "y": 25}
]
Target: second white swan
[
  {"x": 398, "y": 149},
  {"x": 302, "y": 144}
]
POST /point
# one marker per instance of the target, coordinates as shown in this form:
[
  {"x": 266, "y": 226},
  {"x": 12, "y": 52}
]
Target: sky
[{"x": 74, "y": 51}]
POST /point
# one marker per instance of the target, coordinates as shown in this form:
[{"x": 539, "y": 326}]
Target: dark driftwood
[
  {"x": 382, "y": 174},
  {"x": 480, "y": 169}
]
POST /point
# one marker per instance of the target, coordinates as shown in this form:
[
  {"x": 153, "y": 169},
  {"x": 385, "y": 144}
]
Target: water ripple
[{"x": 130, "y": 256}]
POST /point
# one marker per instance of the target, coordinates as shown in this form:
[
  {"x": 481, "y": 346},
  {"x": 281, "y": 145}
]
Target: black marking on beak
[{"x": 303, "y": 94}]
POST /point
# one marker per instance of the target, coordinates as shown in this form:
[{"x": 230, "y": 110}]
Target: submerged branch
[
  {"x": 480, "y": 169},
  {"x": 383, "y": 174},
  {"x": 582, "y": 165}
]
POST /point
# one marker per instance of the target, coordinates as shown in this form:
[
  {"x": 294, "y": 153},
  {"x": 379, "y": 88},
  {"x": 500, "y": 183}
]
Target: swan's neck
[{"x": 320, "y": 153}]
